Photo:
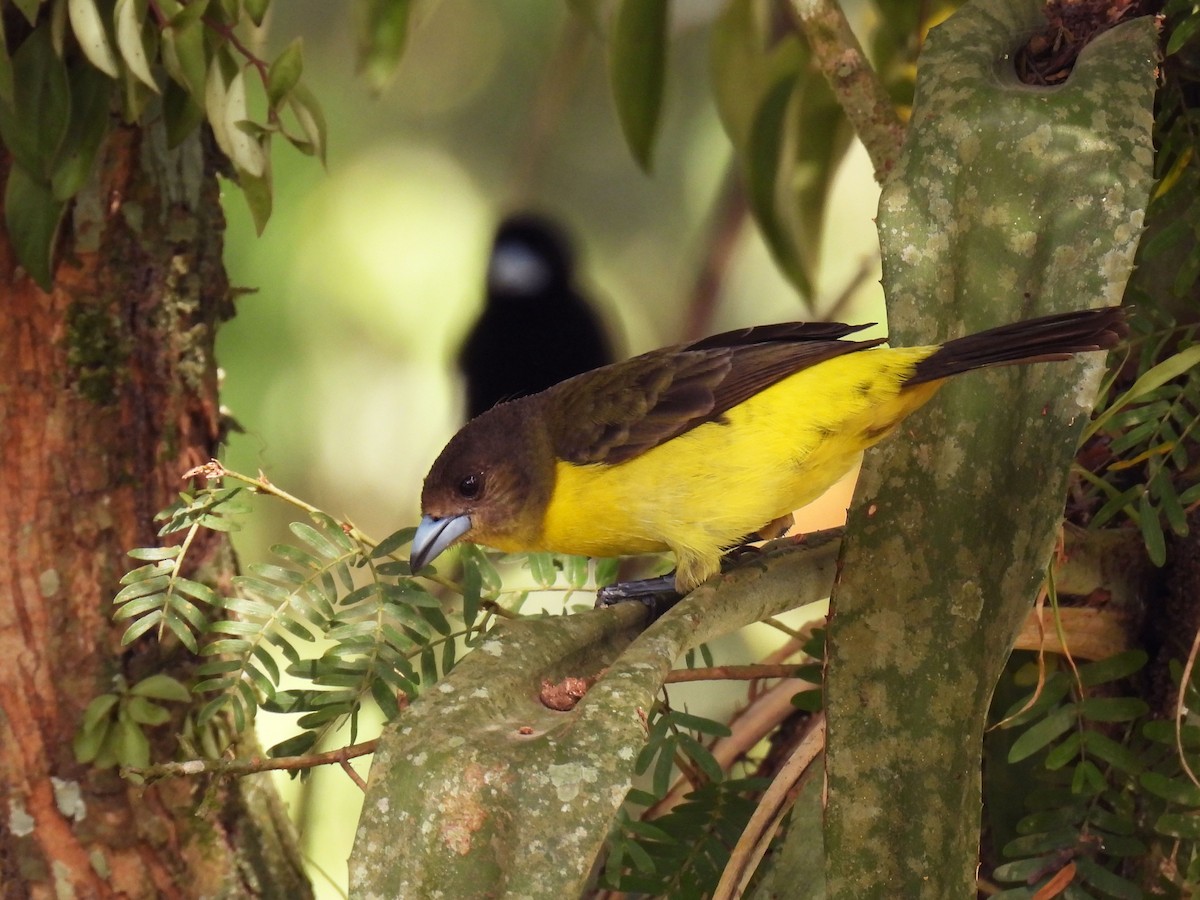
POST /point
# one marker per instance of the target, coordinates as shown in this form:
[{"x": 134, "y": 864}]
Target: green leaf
[
  {"x": 155, "y": 553},
  {"x": 257, "y": 191},
  {"x": 129, "y": 17},
  {"x": 701, "y": 756},
  {"x": 141, "y": 588},
  {"x": 319, "y": 541},
  {"x": 298, "y": 745},
  {"x": 1165, "y": 371},
  {"x": 1174, "y": 789},
  {"x": 1042, "y": 842},
  {"x": 1117, "y": 755},
  {"x": 1152, "y": 532},
  {"x": 607, "y": 571},
  {"x": 542, "y": 568},
  {"x": 1163, "y": 732},
  {"x": 1169, "y": 503},
  {"x": 1114, "y": 668},
  {"x": 183, "y": 55},
  {"x": 140, "y": 627},
  {"x": 1064, "y": 753},
  {"x": 181, "y": 113},
  {"x": 1042, "y": 733},
  {"x": 1113, "y": 709},
  {"x": 1088, "y": 780},
  {"x": 700, "y": 724},
  {"x": 1182, "y": 33},
  {"x": 33, "y": 127},
  {"x": 393, "y": 542},
  {"x": 146, "y": 712},
  {"x": 198, "y": 591},
  {"x": 1179, "y": 825},
  {"x": 7, "y": 87},
  {"x": 637, "y": 72},
  {"x": 29, "y": 9},
  {"x": 575, "y": 570},
  {"x": 161, "y": 687},
  {"x": 88, "y": 27},
  {"x": 98, "y": 711},
  {"x": 382, "y": 34},
  {"x": 256, "y": 10},
  {"x": 163, "y": 568},
  {"x": 225, "y": 105},
  {"x": 284, "y": 72},
  {"x": 1110, "y": 883},
  {"x": 89, "y": 740},
  {"x": 131, "y": 746}
]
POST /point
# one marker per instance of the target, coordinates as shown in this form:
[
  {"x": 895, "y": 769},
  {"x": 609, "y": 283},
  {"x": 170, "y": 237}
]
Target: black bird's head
[{"x": 531, "y": 257}]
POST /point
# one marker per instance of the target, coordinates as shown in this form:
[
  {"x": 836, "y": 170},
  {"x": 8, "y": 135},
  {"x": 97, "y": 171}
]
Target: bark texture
[{"x": 108, "y": 393}]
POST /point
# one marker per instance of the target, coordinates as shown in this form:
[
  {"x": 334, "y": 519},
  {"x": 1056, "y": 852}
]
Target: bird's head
[
  {"x": 490, "y": 485},
  {"x": 531, "y": 256}
]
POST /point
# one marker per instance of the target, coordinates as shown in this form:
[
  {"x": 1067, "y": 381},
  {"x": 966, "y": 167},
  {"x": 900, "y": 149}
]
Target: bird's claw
[{"x": 657, "y": 594}]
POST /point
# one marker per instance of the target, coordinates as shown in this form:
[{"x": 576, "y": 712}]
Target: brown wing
[{"x": 616, "y": 413}]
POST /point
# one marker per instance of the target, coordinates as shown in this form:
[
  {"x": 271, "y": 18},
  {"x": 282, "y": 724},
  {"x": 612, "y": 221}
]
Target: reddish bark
[{"x": 107, "y": 395}]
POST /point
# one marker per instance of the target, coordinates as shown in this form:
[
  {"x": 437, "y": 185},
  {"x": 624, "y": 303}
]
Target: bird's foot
[{"x": 656, "y": 594}]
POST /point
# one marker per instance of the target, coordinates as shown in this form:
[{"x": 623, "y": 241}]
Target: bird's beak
[{"x": 433, "y": 536}]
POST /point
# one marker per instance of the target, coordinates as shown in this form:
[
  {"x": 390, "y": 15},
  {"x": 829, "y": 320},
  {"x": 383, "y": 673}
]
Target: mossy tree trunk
[{"x": 108, "y": 394}]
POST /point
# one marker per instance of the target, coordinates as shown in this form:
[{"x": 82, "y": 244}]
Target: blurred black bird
[{"x": 536, "y": 328}]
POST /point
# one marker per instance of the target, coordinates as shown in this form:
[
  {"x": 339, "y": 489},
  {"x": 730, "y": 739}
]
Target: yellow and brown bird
[{"x": 693, "y": 447}]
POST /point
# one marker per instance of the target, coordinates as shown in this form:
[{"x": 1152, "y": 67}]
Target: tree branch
[{"x": 858, "y": 89}]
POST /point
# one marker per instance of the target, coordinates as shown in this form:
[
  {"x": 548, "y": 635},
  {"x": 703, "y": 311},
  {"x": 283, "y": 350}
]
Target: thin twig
[
  {"x": 354, "y": 776},
  {"x": 773, "y": 806},
  {"x": 731, "y": 673},
  {"x": 250, "y": 765},
  {"x": 856, "y": 85}
]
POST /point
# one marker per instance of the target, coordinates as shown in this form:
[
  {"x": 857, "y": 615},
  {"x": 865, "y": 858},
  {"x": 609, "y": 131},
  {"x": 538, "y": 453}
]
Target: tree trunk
[{"x": 108, "y": 393}]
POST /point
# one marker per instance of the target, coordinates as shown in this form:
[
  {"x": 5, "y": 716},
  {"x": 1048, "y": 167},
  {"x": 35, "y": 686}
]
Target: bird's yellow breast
[{"x": 701, "y": 492}]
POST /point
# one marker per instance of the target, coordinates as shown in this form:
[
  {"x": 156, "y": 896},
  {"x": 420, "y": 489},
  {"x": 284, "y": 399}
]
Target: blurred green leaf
[
  {"x": 7, "y": 89},
  {"x": 131, "y": 745},
  {"x": 1113, "y": 709},
  {"x": 637, "y": 72},
  {"x": 145, "y": 712},
  {"x": 257, "y": 191},
  {"x": 1179, "y": 825},
  {"x": 89, "y": 30},
  {"x": 161, "y": 687},
  {"x": 303, "y": 104},
  {"x": 284, "y": 72},
  {"x": 1114, "y": 668},
  {"x": 1177, "y": 790},
  {"x": 129, "y": 16},
  {"x": 1182, "y": 33},
  {"x": 87, "y": 127},
  {"x": 1111, "y": 884},
  {"x": 382, "y": 34},
  {"x": 31, "y": 217},
  {"x": 184, "y": 55},
  {"x": 1042, "y": 732},
  {"x": 29, "y": 9},
  {"x": 33, "y": 126},
  {"x": 256, "y": 10}
]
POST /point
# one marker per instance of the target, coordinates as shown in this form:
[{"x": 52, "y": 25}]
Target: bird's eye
[{"x": 471, "y": 486}]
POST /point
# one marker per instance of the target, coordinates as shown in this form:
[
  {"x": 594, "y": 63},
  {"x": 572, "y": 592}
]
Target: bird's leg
[
  {"x": 656, "y": 594},
  {"x": 776, "y": 528}
]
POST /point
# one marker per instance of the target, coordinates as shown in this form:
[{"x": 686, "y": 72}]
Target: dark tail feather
[{"x": 1033, "y": 340}]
